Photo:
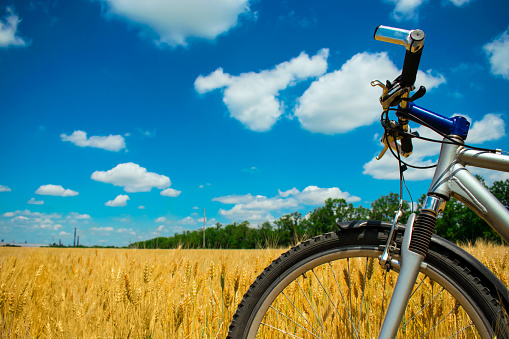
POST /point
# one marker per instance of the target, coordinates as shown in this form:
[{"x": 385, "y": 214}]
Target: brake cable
[{"x": 388, "y": 128}]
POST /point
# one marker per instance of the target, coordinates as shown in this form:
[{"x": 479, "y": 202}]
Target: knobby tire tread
[{"x": 483, "y": 289}]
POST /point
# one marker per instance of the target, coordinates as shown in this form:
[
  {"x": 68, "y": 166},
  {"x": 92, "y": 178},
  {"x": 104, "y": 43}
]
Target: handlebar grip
[
  {"x": 414, "y": 43},
  {"x": 410, "y": 68}
]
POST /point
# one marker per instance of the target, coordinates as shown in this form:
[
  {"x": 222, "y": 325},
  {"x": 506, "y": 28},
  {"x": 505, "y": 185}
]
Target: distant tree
[{"x": 384, "y": 207}]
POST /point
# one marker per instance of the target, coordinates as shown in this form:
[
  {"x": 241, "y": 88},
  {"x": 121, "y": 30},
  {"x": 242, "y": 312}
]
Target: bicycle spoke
[
  {"x": 423, "y": 307},
  {"x": 362, "y": 299},
  {"x": 305, "y": 329},
  {"x": 312, "y": 308},
  {"x": 332, "y": 302},
  {"x": 426, "y": 334},
  {"x": 297, "y": 309},
  {"x": 350, "y": 287},
  {"x": 277, "y": 329},
  {"x": 342, "y": 297},
  {"x": 463, "y": 329}
]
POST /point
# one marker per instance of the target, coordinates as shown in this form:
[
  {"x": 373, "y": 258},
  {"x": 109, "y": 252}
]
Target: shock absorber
[{"x": 425, "y": 224}]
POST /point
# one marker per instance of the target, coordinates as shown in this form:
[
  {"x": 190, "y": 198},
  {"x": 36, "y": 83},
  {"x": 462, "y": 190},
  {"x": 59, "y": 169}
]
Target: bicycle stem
[{"x": 409, "y": 269}]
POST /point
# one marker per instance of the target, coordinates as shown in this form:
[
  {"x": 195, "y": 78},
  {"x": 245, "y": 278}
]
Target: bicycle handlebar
[{"x": 414, "y": 43}]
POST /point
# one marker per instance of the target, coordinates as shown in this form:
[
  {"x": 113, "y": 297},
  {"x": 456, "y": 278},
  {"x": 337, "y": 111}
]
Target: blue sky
[{"x": 128, "y": 118}]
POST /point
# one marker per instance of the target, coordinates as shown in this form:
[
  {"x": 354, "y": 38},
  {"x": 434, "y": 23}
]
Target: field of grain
[{"x": 118, "y": 293}]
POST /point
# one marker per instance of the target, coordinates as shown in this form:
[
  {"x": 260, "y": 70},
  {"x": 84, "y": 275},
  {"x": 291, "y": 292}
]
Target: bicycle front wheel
[{"x": 332, "y": 286}]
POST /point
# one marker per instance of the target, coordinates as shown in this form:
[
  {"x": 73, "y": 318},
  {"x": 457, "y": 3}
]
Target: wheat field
[{"x": 127, "y": 293}]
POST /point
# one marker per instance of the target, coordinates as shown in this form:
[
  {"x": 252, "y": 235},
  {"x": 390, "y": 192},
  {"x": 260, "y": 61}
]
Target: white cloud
[
  {"x": 489, "y": 176},
  {"x": 55, "y": 190},
  {"x": 119, "y": 201},
  {"x": 20, "y": 218},
  {"x": 132, "y": 177},
  {"x": 287, "y": 193},
  {"x": 498, "y": 54},
  {"x": 141, "y": 207},
  {"x": 160, "y": 228},
  {"x": 235, "y": 199},
  {"x": 102, "y": 229},
  {"x": 258, "y": 208},
  {"x": 64, "y": 233},
  {"x": 170, "y": 192},
  {"x": 313, "y": 195},
  {"x": 125, "y": 230},
  {"x": 80, "y": 216},
  {"x": 54, "y": 227},
  {"x": 160, "y": 219},
  {"x": 251, "y": 97},
  {"x": 331, "y": 104},
  {"x": 32, "y": 201},
  {"x": 490, "y": 127},
  {"x": 187, "y": 221},
  {"x": 4, "y": 189},
  {"x": 406, "y": 9},
  {"x": 8, "y": 30},
  {"x": 175, "y": 21},
  {"x": 110, "y": 143},
  {"x": 36, "y": 216},
  {"x": 460, "y": 3}
]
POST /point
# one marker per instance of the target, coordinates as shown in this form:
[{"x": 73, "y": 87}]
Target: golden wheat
[{"x": 114, "y": 293}]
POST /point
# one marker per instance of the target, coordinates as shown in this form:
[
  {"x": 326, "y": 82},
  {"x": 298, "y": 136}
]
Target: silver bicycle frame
[{"x": 451, "y": 179}]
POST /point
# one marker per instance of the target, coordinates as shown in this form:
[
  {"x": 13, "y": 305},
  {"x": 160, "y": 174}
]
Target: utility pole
[
  {"x": 204, "y": 228},
  {"x": 157, "y": 237},
  {"x": 74, "y": 237}
]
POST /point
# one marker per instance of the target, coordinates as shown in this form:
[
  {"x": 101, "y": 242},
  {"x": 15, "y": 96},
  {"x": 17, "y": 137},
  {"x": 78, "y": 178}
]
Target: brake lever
[{"x": 404, "y": 148}]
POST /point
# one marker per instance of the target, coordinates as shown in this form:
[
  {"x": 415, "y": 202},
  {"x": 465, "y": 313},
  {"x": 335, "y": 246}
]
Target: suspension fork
[{"x": 414, "y": 247}]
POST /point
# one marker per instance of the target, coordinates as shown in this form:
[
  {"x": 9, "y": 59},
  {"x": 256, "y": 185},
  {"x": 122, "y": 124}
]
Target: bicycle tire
[{"x": 469, "y": 300}]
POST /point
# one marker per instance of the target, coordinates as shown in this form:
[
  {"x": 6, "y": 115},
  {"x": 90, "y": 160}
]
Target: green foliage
[{"x": 456, "y": 223}]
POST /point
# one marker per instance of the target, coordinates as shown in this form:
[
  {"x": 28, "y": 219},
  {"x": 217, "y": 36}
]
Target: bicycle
[{"x": 339, "y": 284}]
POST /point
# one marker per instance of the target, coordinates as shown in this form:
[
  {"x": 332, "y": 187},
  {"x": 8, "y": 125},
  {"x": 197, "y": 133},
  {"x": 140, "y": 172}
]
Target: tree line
[{"x": 457, "y": 223}]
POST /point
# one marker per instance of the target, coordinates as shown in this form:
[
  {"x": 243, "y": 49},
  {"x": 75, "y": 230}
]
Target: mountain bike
[{"x": 373, "y": 279}]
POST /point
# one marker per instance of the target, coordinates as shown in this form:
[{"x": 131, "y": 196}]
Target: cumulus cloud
[
  {"x": 343, "y": 100},
  {"x": 498, "y": 54},
  {"x": 55, "y": 190},
  {"x": 257, "y": 208},
  {"x": 187, "y": 221},
  {"x": 8, "y": 30},
  {"x": 170, "y": 192},
  {"x": 490, "y": 127},
  {"x": 141, "y": 207},
  {"x": 460, "y": 3},
  {"x": 406, "y": 9},
  {"x": 102, "y": 229},
  {"x": 110, "y": 143},
  {"x": 4, "y": 188},
  {"x": 29, "y": 221},
  {"x": 119, "y": 201},
  {"x": 132, "y": 177},
  {"x": 54, "y": 227},
  {"x": 73, "y": 216},
  {"x": 32, "y": 201},
  {"x": 126, "y": 230},
  {"x": 175, "y": 21},
  {"x": 251, "y": 97},
  {"x": 160, "y": 219}
]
